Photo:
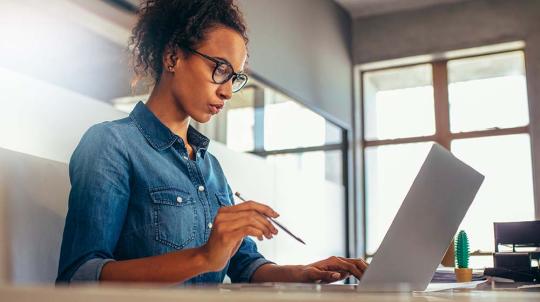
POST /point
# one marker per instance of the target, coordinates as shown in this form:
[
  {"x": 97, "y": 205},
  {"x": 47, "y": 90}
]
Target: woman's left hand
[{"x": 331, "y": 270}]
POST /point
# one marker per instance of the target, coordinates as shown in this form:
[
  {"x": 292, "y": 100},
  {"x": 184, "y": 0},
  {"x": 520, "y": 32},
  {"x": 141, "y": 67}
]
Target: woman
[{"x": 148, "y": 202}]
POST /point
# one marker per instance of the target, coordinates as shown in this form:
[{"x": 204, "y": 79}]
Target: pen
[{"x": 275, "y": 222}]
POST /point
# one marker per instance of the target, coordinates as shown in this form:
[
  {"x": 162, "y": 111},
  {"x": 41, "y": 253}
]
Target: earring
[{"x": 173, "y": 59}]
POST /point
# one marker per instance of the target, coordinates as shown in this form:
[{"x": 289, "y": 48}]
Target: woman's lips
[{"x": 215, "y": 108}]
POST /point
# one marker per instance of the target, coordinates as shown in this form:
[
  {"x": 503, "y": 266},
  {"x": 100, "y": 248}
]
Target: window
[
  {"x": 506, "y": 194},
  {"x": 397, "y": 97},
  {"x": 390, "y": 171},
  {"x": 487, "y": 92},
  {"x": 474, "y": 106},
  {"x": 279, "y": 134},
  {"x": 263, "y": 121},
  {"x": 240, "y": 117}
]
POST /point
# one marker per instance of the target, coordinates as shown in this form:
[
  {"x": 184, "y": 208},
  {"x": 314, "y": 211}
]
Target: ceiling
[
  {"x": 364, "y": 8},
  {"x": 361, "y": 8}
]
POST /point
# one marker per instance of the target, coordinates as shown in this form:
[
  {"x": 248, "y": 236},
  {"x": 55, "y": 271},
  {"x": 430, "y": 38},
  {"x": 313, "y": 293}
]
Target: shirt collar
[{"x": 160, "y": 136}]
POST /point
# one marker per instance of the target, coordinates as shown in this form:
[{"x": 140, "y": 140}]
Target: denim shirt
[{"x": 135, "y": 193}]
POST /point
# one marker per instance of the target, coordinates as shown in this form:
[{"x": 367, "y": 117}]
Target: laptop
[
  {"x": 424, "y": 225},
  {"x": 420, "y": 233}
]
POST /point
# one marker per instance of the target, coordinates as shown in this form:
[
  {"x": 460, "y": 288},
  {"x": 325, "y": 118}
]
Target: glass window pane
[
  {"x": 507, "y": 191},
  {"x": 399, "y": 103},
  {"x": 239, "y": 116},
  {"x": 287, "y": 124},
  {"x": 334, "y": 166},
  {"x": 309, "y": 162},
  {"x": 390, "y": 171},
  {"x": 333, "y": 134},
  {"x": 240, "y": 124},
  {"x": 304, "y": 128},
  {"x": 481, "y": 261},
  {"x": 325, "y": 165},
  {"x": 487, "y": 92}
]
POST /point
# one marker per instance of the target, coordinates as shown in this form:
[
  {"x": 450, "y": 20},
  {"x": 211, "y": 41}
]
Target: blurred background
[{"x": 344, "y": 101}]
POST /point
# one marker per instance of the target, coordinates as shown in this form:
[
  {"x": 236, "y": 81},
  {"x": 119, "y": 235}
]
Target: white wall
[
  {"x": 45, "y": 120},
  {"x": 33, "y": 203}
]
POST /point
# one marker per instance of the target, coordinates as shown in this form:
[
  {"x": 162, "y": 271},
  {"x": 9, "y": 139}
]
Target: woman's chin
[{"x": 202, "y": 118}]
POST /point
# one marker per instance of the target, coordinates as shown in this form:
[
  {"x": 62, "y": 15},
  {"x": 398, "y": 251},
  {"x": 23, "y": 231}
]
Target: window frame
[{"x": 443, "y": 134}]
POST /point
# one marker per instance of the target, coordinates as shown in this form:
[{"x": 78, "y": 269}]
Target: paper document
[{"x": 433, "y": 287}]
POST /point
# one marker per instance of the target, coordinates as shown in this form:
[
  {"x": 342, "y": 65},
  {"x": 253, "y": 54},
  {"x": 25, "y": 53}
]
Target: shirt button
[
  {"x": 201, "y": 188},
  {"x": 209, "y": 225},
  {"x": 179, "y": 199}
]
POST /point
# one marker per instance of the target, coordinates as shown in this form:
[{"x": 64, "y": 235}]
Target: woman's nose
[{"x": 225, "y": 90}]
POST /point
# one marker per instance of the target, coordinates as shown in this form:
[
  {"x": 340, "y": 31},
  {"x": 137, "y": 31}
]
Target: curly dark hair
[{"x": 180, "y": 24}]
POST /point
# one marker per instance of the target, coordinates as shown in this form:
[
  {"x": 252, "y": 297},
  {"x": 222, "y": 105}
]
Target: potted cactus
[{"x": 463, "y": 272}]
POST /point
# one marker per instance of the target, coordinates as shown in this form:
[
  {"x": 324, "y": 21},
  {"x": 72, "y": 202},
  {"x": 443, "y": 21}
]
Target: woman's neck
[{"x": 162, "y": 103}]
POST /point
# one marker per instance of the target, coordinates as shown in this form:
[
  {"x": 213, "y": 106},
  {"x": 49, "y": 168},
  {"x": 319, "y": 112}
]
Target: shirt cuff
[
  {"x": 246, "y": 275},
  {"x": 90, "y": 270}
]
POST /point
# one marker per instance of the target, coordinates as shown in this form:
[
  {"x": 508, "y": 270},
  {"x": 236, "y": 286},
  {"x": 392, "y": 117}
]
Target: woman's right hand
[{"x": 231, "y": 225}]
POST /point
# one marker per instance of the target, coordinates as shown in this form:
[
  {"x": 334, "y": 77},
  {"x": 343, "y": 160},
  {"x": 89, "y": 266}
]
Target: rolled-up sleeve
[
  {"x": 245, "y": 262},
  {"x": 99, "y": 172},
  {"x": 90, "y": 270}
]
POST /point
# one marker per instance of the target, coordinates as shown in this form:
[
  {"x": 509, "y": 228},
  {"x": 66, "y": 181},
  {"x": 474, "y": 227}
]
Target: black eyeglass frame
[{"x": 218, "y": 63}]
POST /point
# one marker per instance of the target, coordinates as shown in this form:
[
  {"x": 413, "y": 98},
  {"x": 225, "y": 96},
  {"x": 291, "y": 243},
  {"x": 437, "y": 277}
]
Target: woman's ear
[{"x": 170, "y": 59}]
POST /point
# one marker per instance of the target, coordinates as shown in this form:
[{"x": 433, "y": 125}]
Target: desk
[{"x": 115, "y": 293}]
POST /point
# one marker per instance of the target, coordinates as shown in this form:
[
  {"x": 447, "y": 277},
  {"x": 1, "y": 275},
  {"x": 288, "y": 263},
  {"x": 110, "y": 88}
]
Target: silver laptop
[
  {"x": 424, "y": 226},
  {"x": 420, "y": 233}
]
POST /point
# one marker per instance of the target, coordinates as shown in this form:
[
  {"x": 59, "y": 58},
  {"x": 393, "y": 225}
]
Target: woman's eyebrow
[
  {"x": 224, "y": 60},
  {"x": 227, "y": 61}
]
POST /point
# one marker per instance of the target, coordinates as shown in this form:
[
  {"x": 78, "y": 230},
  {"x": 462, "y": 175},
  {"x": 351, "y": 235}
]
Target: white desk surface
[{"x": 116, "y": 293}]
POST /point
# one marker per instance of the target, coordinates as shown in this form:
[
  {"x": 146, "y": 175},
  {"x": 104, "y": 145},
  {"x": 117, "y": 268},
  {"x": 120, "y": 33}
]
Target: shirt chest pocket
[
  {"x": 219, "y": 200},
  {"x": 175, "y": 217}
]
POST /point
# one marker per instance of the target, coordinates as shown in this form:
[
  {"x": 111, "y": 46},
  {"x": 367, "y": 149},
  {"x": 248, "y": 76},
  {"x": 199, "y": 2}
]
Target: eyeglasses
[{"x": 224, "y": 71}]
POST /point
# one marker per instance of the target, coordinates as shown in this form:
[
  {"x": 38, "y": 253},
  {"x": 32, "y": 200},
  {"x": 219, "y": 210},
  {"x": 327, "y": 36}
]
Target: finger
[
  {"x": 252, "y": 205},
  {"x": 247, "y": 231},
  {"x": 256, "y": 221},
  {"x": 341, "y": 265},
  {"x": 232, "y": 221},
  {"x": 359, "y": 263},
  {"x": 353, "y": 269},
  {"x": 324, "y": 276},
  {"x": 237, "y": 217},
  {"x": 344, "y": 274}
]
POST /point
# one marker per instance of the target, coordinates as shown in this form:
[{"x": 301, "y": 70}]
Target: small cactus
[{"x": 462, "y": 250}]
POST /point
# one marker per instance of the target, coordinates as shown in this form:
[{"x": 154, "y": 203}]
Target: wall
[
  {"x": 302, "y": 47},
  {"x": 446, "y": 27},
  {"x": 45, "y": 120}
]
